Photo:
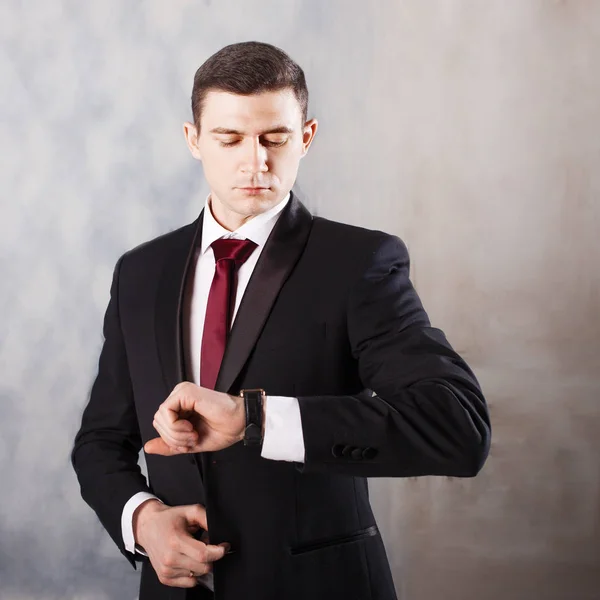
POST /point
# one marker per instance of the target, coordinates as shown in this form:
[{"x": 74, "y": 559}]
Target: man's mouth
[{"x": 254, "y": 189}]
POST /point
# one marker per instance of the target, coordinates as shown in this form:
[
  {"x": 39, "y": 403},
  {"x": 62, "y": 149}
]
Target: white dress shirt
[{"x": 283, "y": 438}]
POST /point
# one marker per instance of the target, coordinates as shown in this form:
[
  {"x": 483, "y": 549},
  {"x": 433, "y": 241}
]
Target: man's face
[{"x": 250, "y": 148}]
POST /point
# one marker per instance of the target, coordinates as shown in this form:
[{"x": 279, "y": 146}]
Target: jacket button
[
  {"x": 337, "y": 450},
  {"x": 347, "y": 451},
  {"x": 357, "y": 454},
  {"x": 369, "y": 453}
]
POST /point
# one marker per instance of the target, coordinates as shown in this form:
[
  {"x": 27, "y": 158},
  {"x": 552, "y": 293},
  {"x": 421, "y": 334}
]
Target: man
[{"x": 255, "y": 295}]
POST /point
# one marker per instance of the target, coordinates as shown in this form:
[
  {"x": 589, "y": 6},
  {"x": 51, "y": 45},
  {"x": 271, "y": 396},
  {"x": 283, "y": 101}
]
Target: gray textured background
[{"x": 471, "y": 129}]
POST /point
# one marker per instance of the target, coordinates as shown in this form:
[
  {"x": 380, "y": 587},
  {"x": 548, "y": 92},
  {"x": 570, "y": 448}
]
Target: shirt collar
[{"x": 256, "y": 229}]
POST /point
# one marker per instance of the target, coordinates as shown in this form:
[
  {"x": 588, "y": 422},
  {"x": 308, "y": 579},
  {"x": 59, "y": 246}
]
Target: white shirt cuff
[
  {"x": 127, "y": 520},
  {"x": 283, "y": 430}
]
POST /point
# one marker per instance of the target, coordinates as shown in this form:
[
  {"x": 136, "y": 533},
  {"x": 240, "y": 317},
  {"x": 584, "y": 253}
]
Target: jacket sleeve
[
  {"x": 106, "y": 451},
  {"x": 422, "y": 412}
]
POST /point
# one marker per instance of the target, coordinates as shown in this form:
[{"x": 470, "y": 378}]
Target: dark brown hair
[{"x": 248, "y": 68}]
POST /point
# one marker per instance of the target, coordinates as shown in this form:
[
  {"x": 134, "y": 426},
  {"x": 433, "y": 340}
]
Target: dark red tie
[{"x": 230, "y": 255}]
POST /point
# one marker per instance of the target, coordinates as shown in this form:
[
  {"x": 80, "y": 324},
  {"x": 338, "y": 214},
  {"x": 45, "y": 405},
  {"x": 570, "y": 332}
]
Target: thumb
[
  {"x": 158, "y": 446},
  {"x": 196, "y": 514}
]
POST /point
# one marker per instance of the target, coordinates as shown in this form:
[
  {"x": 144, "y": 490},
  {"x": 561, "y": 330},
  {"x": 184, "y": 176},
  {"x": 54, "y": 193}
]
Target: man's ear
[
  {"x": 191, "y": 137},
  {"x": 308, "y": 134}
]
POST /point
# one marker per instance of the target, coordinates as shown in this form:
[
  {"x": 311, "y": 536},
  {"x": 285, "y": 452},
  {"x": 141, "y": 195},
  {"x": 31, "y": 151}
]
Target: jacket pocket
[{"x": 338, "y": 540}]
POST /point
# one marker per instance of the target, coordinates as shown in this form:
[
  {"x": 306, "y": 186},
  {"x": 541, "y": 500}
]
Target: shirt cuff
[
  {"x": 127, "y": 520},
  {"x": 283, "y": 430}
]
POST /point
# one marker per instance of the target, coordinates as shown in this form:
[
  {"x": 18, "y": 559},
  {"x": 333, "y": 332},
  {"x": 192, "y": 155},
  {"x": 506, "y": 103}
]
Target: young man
[{"x": 281, "y": 358}]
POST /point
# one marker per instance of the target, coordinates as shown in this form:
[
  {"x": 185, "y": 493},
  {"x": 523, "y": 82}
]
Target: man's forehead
[{"x": 250, "y": 114}]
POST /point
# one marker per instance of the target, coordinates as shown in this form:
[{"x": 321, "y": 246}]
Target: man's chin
[{"x": 260, "y": 200}]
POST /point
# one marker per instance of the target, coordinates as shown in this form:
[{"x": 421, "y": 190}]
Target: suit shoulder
[
  {"x": 160, "y": 244},
  {"x": 354, "y": 236}
]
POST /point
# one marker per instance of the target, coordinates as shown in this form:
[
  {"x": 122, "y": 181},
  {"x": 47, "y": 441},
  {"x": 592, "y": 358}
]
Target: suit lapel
[
  {"x": 276, "y": 262},
  {"x": 169, "y": 303}
]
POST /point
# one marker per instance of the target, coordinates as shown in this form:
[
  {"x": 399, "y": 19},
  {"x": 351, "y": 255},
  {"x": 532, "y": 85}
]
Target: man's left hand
[{"x": 197, "y": 419}]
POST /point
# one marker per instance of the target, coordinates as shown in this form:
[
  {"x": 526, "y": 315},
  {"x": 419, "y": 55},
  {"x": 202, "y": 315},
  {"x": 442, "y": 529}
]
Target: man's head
[{"x": 249, "y": 104}]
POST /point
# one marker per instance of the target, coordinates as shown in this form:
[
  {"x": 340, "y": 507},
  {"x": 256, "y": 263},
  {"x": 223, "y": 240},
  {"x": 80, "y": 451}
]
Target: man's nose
[{"x": 255, "y": 159}]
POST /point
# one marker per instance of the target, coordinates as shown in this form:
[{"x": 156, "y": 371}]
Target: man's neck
[{"x": 231, "y": 221}]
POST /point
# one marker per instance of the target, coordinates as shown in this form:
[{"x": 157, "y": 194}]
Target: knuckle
[
  {"x": 172, "y": 545},
  {"x": 162, "y": 576},
  {"x": 169, "y": 560},
  {"x": 183, "y": 387}
]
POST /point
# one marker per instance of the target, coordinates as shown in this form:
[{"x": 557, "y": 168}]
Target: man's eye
[
  {"x": 227, "y": 144},
  {"x": 274, "y": 143}
]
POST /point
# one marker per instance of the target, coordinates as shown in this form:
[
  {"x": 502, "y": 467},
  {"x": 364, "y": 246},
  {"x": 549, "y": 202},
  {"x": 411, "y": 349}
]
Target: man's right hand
[{"x": 164, "y": 533}]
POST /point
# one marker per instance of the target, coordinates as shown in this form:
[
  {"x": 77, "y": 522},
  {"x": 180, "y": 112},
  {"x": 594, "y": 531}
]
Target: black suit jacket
[{"x": 330, "y": 317}]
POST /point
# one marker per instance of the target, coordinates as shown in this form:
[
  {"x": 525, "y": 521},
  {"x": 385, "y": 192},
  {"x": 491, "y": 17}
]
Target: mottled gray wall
[{"x": 471, "y": 129}]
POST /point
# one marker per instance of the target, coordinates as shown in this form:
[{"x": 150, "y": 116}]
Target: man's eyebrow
[{"x": 226, "y": 131}]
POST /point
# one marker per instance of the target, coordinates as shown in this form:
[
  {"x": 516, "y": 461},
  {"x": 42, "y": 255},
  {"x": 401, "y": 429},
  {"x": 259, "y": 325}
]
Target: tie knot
[{"x": 230, "y": 249}]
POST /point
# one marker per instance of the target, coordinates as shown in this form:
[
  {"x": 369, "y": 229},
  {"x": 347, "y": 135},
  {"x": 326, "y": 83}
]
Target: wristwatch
[{"x": 253, "y": 403}]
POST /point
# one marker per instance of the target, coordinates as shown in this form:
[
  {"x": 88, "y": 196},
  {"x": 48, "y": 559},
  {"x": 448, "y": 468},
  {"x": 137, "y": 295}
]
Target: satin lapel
[
  {"x": 169, "y": 303},
  {"x": 278, "y": 258}
]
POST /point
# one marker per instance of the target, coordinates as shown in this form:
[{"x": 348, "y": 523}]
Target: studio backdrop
[{"x": 469, "y": 129}]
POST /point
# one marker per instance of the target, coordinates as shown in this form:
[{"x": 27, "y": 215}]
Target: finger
[
  {"x": 159, "y": 446},
  {"x": 170, "y": 442},
  {"x": 180, "y": 426},
  {"x": 172, "y": 412},
  {"x": 214, "y": 553},
  {"x": 182, "y": 441},
  {"x": 203, "y": 554},
  {"x": 163, "y": 432},
  {"x": 183, "y": 565},
  {"x": 174, "y": 439},
  {"x": 174, "y": 421},
  {"x": 176, "y": 428},
  {"x": 193, "y": 549},
  {"x": 195, "y": 514},
  {"x": 182, "y": 582},
  {"x": 182, "y": 399}
]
